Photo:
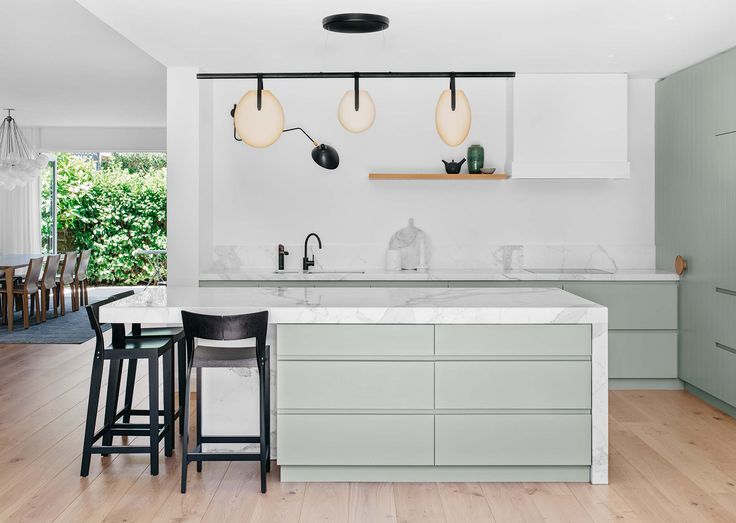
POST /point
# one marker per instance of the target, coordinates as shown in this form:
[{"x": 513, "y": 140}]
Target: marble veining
[{"x": 231, "y": 397}]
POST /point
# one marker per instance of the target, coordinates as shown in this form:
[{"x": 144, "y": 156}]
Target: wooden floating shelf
[{"x": 436, "y": 176}]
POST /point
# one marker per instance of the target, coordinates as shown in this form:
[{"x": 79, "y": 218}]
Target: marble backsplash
[{"x": 228, "y": 259}]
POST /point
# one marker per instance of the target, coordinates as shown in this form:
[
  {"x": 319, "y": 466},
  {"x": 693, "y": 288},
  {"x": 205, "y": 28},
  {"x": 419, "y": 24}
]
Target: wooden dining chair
[
  {"x": 66, "y": 277},
  {"x": 27, "y": 291},
  {"x": 48, "y": 284},
  {"x": 80, "y": 279}
]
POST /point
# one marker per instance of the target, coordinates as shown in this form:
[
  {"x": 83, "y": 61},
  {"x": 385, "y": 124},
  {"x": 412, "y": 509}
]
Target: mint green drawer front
[
  {"x": 511, "y": 439},
  {"x": 633, "y": 305},
  {"x": 355, "y": 439},
  {"x": 642, "y": 354},
  {"x": 512, "y": 385},
  {"x": 355, "y": 384},
  {"x": 355, "y": 340},
  {"x": 513, "y": 340}
]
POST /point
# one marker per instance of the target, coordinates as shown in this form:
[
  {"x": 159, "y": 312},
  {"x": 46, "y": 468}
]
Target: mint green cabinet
[
  {"x": 355, "y": 384},
  {"x": 695, "y": 196},
  {"x": 640, "y": 305},
  {"x": 516, "y": 340},
  {"x": 434, "y": 402},
  {"x": 355, "y": 340},
  {"x": 642, "y": 354},
  {"x": 513, "y": 439},
  {"x": 362, "y": 439},
  {"x": 512, "y": 384}
]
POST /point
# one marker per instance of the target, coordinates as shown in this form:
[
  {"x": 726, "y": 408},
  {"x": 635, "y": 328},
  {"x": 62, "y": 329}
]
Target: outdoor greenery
[{"x": 112, "y": 204}]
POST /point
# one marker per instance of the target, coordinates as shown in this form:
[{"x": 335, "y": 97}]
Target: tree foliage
[{"x": 114, "y": 210}]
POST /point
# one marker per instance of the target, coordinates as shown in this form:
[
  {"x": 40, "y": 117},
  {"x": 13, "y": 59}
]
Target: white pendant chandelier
[{"x": 19, "y": 162}]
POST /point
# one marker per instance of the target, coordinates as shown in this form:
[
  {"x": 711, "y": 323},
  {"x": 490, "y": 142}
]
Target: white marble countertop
[
  {"x": 361, "y": 305},
  {"x": 447, "y": 275}
]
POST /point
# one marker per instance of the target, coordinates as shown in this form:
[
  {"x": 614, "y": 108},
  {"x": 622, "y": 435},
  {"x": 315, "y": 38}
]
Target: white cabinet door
[{"x": 570, "y": 126}]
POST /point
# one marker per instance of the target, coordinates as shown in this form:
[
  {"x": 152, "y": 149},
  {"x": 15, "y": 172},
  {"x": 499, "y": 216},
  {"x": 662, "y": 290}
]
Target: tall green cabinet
[{"x": 696, "y": 217}]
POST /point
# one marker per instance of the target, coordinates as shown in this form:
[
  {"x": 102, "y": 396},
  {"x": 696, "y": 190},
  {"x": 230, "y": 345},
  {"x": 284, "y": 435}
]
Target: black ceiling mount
[{"x": 355, "y": 23}]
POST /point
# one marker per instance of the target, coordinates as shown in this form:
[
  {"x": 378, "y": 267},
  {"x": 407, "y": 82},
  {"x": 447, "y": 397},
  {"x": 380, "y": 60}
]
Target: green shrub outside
[{"x": 114, "y": 210}]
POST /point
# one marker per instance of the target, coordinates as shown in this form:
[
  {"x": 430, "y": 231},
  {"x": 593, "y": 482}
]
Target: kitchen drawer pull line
[
  {"x": 726, "y": 348},
  {"x": 725, "y": 291}
]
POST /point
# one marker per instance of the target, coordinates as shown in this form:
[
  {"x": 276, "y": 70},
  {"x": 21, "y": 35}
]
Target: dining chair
[
  {"x": 66, "y": 277},
  {"x": 80, "y": 278},
  {"x": 48, "y": 284},
  {"x": 27, "y": 292}
]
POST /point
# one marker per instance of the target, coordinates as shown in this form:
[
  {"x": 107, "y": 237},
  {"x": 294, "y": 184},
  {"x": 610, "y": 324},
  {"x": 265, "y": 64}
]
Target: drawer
[
  {"x": 515, "y": 340},
  {"x": 633, "y": 305},
  {"x": 642, "y": 354},
  {"x": 523, "y": 439},
  {"x": 355, "y": 439},
  {"x": 512, "y": 385},
  {"x": 355, "y": 385},
  {"x": 355, "y": 340}
]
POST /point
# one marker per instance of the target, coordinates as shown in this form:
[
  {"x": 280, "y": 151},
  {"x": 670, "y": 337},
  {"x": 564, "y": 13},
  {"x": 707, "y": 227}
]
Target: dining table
[{"x": 8, "y": 264}]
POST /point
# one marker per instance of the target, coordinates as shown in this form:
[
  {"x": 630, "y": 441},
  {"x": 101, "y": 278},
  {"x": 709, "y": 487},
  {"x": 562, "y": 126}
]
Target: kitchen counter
[
  {"x": 514, "y": 365},
  {"x": 456, "y": 275}
]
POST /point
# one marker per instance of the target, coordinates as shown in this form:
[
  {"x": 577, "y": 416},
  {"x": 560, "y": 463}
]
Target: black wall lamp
[{"x": 324, "y": 155}]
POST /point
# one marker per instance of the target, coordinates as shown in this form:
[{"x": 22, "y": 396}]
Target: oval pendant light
[
  {"x": 356, "y": 121},
  {"x": 259, "y": 126},
  {"x": 452, "y": 117}
]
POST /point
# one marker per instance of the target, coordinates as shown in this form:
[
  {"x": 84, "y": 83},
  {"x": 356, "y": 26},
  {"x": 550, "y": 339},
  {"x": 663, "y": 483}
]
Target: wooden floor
[{"x": 673, "y": 458}]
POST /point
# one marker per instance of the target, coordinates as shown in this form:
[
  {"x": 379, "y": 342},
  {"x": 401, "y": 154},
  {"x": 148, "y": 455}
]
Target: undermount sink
[
  {"x": 568, "y": 271},
  {"x": 321, "y": 271},
  {"x": 347, "y": 271}
]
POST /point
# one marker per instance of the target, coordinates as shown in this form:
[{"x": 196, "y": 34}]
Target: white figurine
[{"x": 412, "y": 243}]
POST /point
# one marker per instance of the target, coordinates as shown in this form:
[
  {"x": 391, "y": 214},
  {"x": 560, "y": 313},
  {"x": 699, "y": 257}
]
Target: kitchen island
[{"x": 414, "y": 384}]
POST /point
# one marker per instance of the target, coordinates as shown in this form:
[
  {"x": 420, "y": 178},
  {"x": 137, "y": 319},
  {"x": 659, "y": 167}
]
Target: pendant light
[
  {"x": 356, "y": 111},
  {"x": 19, "y": 162},
  {"x": 452, "y": 116},
  {"x": 258, "y": 117}
]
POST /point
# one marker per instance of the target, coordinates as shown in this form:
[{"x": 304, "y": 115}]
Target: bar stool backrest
[
  {"x": 68, "y": 267},
  {"x": 49, "y": 273},
  {"x": 93, "y": 312},
  {"x": 223, "y": 328},
  {"x": 33, "y": 273},
  {"x": 82, "y": 265}
]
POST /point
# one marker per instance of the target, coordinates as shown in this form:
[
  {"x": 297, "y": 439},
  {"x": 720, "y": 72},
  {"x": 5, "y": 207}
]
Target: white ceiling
[
  {"x": 646, "y": 38},
  {"x": 62, "y": 66}
]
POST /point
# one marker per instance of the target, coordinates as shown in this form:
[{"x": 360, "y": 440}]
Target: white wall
[{"x": 267, "y": 196}]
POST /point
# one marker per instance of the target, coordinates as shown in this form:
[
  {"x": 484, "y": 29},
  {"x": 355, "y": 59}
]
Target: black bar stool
[
  {"x": 128, "y": 349},
  {"x": 176, "y": 334},
  {"x": 239, "y": 327}
]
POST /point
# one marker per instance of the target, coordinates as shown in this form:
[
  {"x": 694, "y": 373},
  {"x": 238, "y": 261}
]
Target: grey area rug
[{"x": 73, "y": 327}]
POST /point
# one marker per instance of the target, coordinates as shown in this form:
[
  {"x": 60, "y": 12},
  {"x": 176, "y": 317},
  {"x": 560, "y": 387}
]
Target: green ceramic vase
[{"x": 475, "y": 159}]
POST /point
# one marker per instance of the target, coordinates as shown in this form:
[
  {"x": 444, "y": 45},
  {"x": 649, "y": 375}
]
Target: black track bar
[{"x": 386, "y": 74}]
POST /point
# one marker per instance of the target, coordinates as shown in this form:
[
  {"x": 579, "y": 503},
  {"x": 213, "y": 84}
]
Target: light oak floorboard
[{"x": 671, "y": 459}]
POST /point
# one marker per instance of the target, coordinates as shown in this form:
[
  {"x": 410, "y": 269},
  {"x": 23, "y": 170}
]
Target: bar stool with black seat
[
  {"x": 176, "y": 334},
  {"x": 204, "y": 327},
  {"x": 122, "y": 349}
]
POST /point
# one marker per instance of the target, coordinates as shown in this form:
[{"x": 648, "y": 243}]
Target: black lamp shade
[{"x": 326, "y": 156}]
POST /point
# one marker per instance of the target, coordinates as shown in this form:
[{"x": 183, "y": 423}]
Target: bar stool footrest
[{"x": 230, "y": 439}]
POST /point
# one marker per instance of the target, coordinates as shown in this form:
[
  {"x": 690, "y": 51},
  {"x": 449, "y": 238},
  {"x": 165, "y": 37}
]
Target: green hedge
[{"x": 114, "y": 210}]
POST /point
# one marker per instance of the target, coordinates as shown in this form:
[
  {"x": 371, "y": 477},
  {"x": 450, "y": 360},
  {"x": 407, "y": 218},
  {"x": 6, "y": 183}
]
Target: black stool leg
[
  {"x": 199, "y": 416},
  {"x": 111, "y": 406},
  {"x": 129, "y": 386},
  {"x": 153, "y": 412},
  {"x": 92, "y": 403},
  {"x": 181, "y": 350},
  {"x": 169, "y": 401},
  {"x": 262, "y": 416},
  {"x": 185, "y": 435},
  {"x": 267, "y": 377}
]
